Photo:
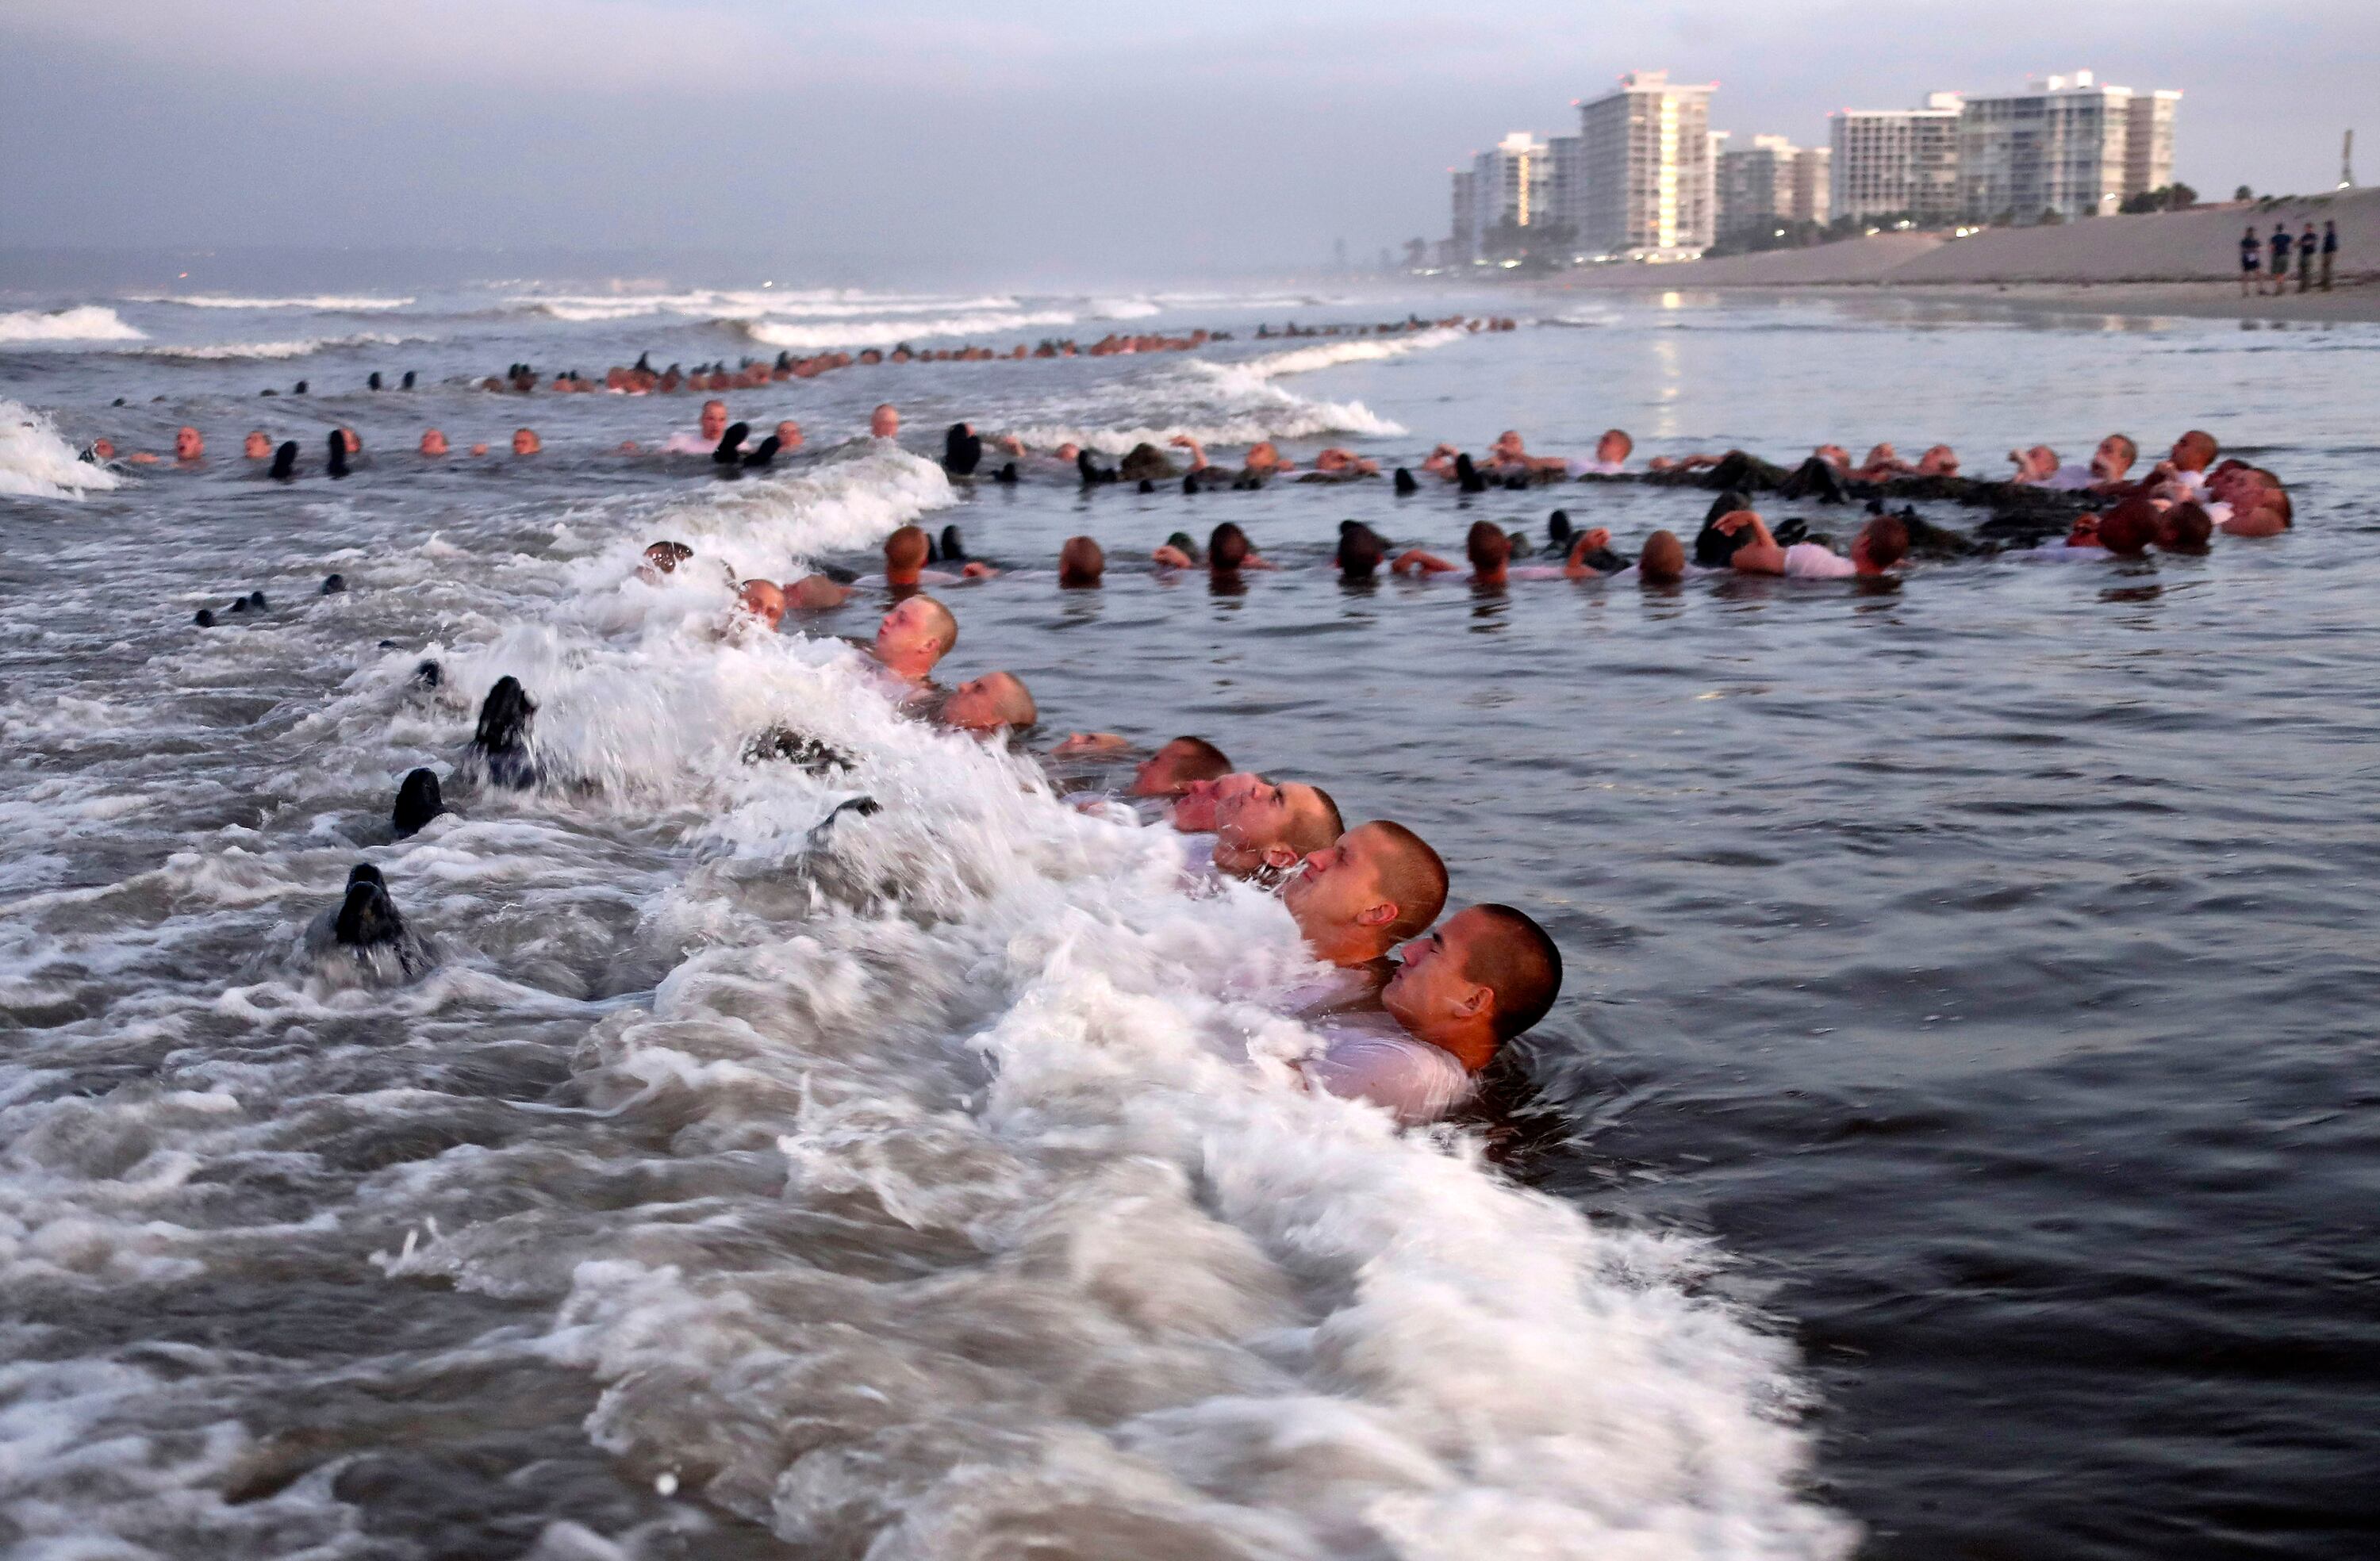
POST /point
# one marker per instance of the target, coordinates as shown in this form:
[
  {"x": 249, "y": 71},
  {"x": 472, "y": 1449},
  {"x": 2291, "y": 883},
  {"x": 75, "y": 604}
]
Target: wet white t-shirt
[
  {"x": 2069, "y": 479},
  {"x": 1415, "y": 1080},
  {"x": 1808, "y": 561}
]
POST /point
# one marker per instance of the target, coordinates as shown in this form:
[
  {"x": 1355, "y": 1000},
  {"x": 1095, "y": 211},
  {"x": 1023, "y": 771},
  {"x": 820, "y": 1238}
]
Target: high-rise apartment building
[
  {"x": 1897, "y": 162},
  {"x": 1566, "y": 195},
  {"x": 1463, "y": 233},
  {"x": 1814, "y": 185},
  {"x": 1768, "y": 183},
  {"x": 2148, "y": 141},
  {"x": 1511, "y": 183},
  {"x": 1647, "y": 185},
  {"x": 2066, "y": 145}
]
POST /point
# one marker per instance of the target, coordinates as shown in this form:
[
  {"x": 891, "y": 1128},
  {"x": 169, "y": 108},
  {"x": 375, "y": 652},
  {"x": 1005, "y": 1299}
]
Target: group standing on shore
[{"x": 2316, "y": 255}]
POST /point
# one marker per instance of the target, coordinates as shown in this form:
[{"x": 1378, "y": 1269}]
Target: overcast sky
[{"x": 1063, "y": 141}]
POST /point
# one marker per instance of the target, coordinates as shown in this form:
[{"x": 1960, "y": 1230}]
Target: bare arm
[
  {"x": 1412, "y": 561},
  {"x": 1760, "y": 555},
  {"x": 2255, "y": 523},
  {"x": 1584, "y": 543}
]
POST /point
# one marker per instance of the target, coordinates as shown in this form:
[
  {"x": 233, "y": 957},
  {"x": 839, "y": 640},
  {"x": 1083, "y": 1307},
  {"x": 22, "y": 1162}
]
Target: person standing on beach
[
  {"x": 2279, "y": 271},
  {"x": 2251, "y": 260},
  {"x": 2306, "y": 245},
  {"x": 2329, "y": 251}
]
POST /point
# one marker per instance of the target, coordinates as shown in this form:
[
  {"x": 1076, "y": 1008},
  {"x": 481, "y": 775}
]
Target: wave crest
[
  {"x": 86, "y": 322},
  {"x": 302, "y": 346},
  {"x": 35, "y": 463},
  {"x": 886, "y": 333},
  {"x": 328, "y": 302}
]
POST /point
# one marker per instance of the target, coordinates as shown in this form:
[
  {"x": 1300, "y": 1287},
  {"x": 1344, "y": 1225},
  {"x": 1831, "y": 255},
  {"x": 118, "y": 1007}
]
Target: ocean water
[{"x": 1951, "y": 1140}]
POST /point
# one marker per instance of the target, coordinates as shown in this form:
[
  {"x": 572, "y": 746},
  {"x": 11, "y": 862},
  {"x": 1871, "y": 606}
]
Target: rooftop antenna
[{"x": 2347, "y": 161}]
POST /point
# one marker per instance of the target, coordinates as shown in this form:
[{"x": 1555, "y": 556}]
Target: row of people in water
[
  {"x": 1412, "y": 1009},
  {"x": 2042, "y": 498},
  {"x": 733, "y": 446},
  {"x": 1410, "y": 1034},
  {"x": 1732, "y": 538},
  {"x": 641, "y": 378}
]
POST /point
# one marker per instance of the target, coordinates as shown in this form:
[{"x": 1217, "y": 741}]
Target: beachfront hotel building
[
  {"x": 1510, "y": 182},
  {"x": 2067, "y": 144},
  {"x": 1897, "y": 162},
  {"x": 1769, "y": 184},
  {"x": 1647, "y": 185}
]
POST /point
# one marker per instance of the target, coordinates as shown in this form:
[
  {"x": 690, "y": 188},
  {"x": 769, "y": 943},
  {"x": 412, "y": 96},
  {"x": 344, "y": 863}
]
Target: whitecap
[
  {"x": 86, "y": 322},
  {"x": 37, "y": 464}
]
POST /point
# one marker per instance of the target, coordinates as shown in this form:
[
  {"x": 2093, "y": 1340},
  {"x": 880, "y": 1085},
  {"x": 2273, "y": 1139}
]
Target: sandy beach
[{"x": 2167, "y": 263}]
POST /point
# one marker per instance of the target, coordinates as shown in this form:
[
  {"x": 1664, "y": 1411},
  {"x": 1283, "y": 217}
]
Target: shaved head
[
  {"x": 1486, "y": 975},
  {"x": 1173, "y": 767},
  {"x": 1272, "y": 824},
  {"x": 1489, "y": 548},
  {"x": 1081, "y": 562},
  {"x": 1663, "y": 562},
  {"x": 1515, "y": 960},
  {"x": 904, "y": 554},
  {"x": 990, "y": 702},
  {"x": 1371, "y": 888}
]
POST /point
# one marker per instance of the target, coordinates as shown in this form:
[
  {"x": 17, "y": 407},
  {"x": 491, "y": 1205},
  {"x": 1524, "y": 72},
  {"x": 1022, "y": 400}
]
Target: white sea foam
[
  {"x": 827, "y": 304},
  {"x": 1122, "y": 309},
  {"x": 36, "y": 463},
  {"x": 87, "y": 322},
  {"x": 881, "y": 332},
  {"x": 1224, "y": 403},
  {"x": 1330, "y": 354},
  {"x": 1292, "y": 418},
  {"x": 301, "y": 346},
  {"x": 950, "y": 1186},
  {"x": 334, "y": 303},
  {"x": 758, "y": 527},
  {"x": 1150, "y": 1296}
]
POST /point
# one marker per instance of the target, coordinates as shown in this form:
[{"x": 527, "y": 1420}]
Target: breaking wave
[
  {"x": 301, "y": 346},
  {"x": 881, "y": 332},
  {"x": 37, "y": 464},
  {"x": 88, "y": 322},
  {"x": 334, "y": 303}
]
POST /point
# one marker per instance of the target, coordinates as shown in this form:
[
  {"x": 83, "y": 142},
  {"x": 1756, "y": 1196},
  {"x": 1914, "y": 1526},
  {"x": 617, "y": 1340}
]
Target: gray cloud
[{"x": 1075, "y": 143}]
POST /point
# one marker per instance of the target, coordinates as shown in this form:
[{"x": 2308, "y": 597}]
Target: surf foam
[
  {"x": 1058, "y": 1246},
  {"x": 302, "y": 346},
  {"x": 1225, "y": 402},
  {"x": 950, "y": 1186},
  {"x": 333, "y": 303},
  {"x": 882, "y": 332},
  {"x": 1018, "y": 1221},
  {"x": 35, "y": 463},
  {"x": 87, "y": 322}
]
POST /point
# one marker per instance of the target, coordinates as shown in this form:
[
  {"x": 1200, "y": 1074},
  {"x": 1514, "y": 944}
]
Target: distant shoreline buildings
[{"x": 1646, "y": 178}]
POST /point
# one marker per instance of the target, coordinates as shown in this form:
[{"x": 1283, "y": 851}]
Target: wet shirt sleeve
[
  {"x": 1807, "y": 561},
  {"x": 1417, "y": 1082}
]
